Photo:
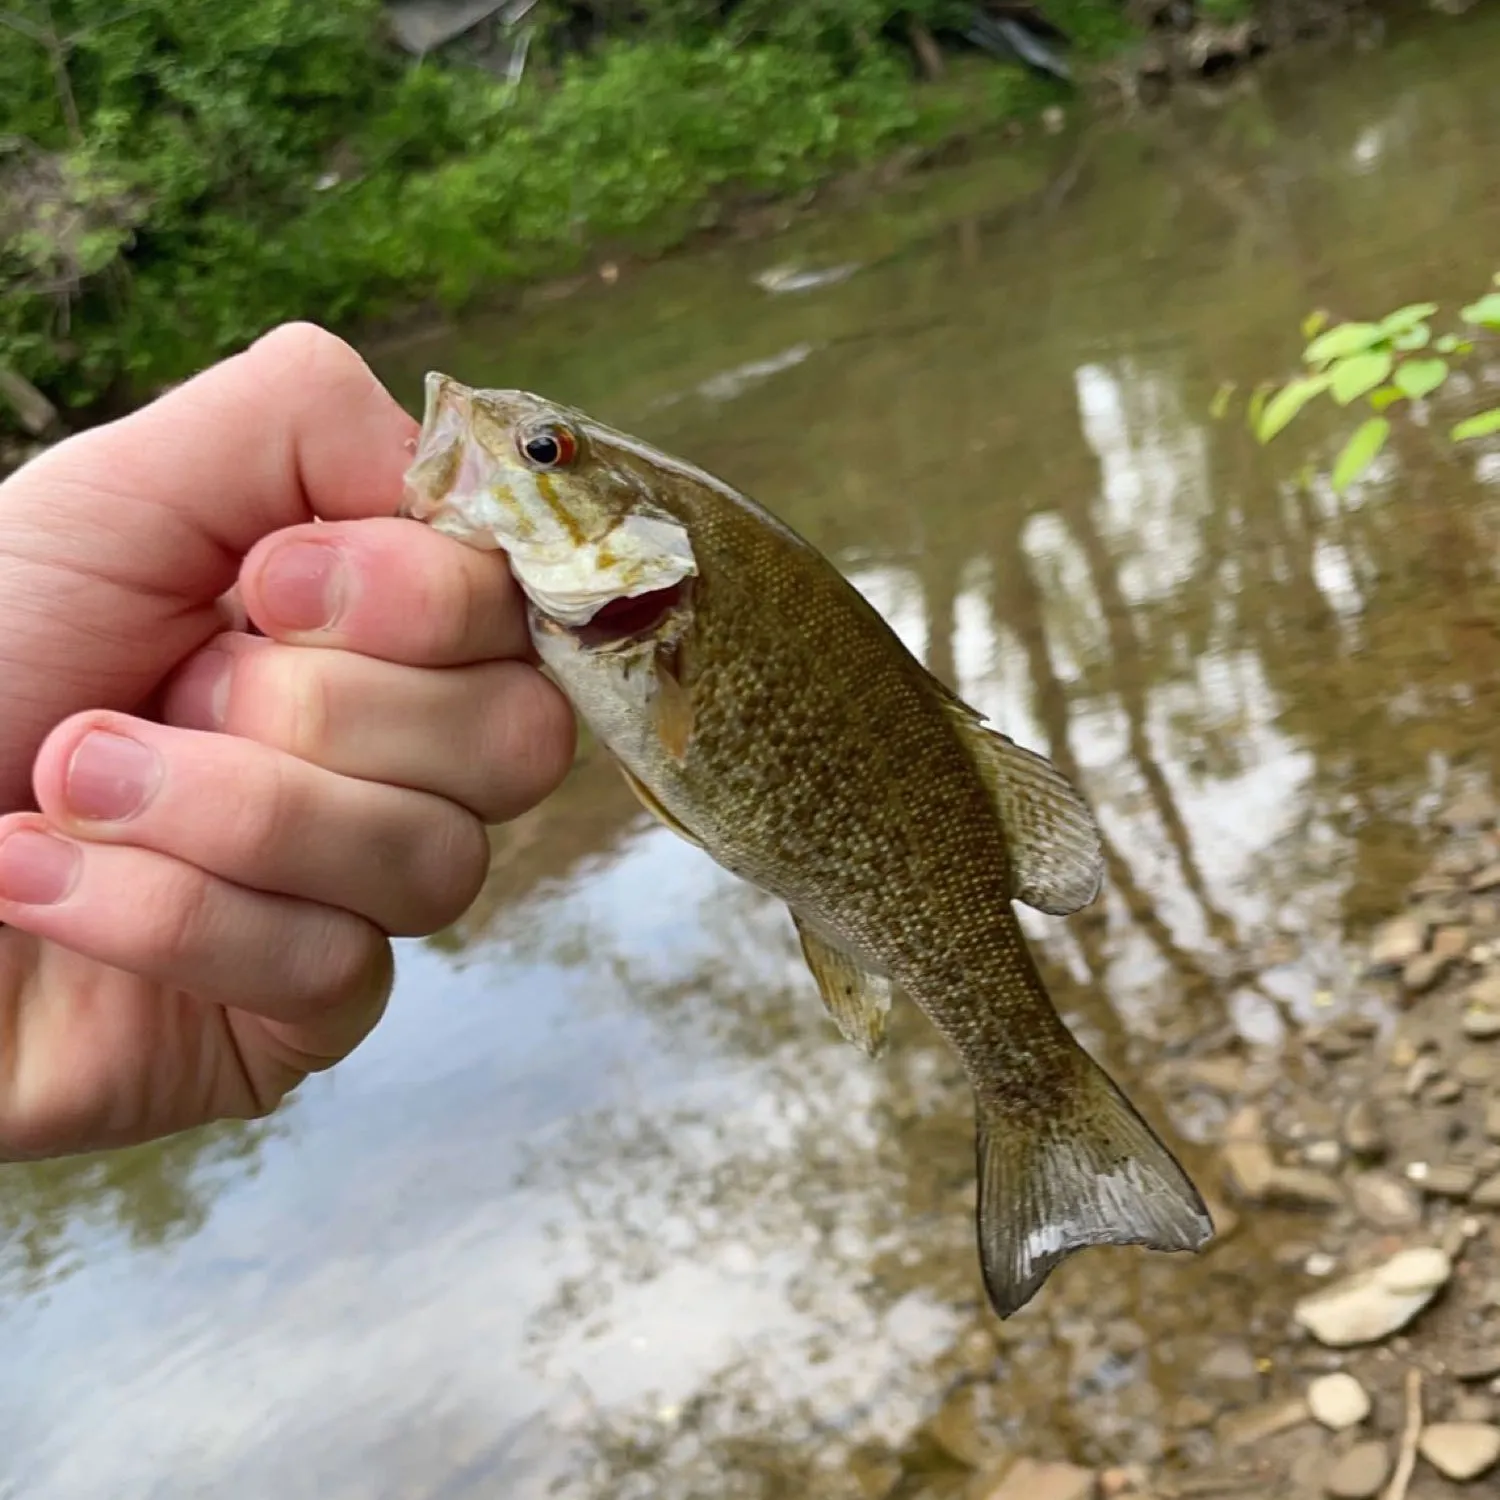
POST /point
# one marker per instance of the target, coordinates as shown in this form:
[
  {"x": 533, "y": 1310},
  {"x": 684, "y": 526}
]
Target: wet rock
[
  {"x": 1396, "y": 942},
  {"x": 1450, "y": 942},
  {"x": 1248, "y": 1169},
  {"x": 1481, "y": 1024},
  {"x": 1487, "y": 1194},
  {"x": 1474, "y": 1364},
  {"x": 1338, "y": 1401},
  {"x": 1386, "y": 1201},
  {"x": 1334, "y": 1043},
  {"x": 1450, "y": 1181},
  {"x": 1445, "y": 1090},
  {"x": 1486, "y": 878},
  {"x": 1360, "y": 1473},
  {"x": 1324, "y": 1155},
  {"x": 1191, "y": 1411},
  {"x": 1460, "y": 1450},
  {"x": 1377, "y": 1302},
  {"x": 1420, "y": 974},
  {"x": 1240, "y": 1429},
  {"x": 1233, "y": 1363},
  {"x": 1363, "y": 1131},
  {"x": 1421, "y": 1073},
  {"x": 1302, "y": 1187},
  {"x": 1027, "y": 1479}
]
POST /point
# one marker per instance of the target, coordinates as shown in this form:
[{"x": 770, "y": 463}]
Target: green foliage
[
  {"x": 1381, "y": 363},
  {"x": 176, "y": 177}
]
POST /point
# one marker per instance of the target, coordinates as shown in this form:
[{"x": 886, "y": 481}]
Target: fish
[{"x": 761, "y": 708}]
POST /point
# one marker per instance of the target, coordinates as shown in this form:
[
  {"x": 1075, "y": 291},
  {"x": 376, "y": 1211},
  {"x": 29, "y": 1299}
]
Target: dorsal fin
[{"x": 1056, "y": 855}]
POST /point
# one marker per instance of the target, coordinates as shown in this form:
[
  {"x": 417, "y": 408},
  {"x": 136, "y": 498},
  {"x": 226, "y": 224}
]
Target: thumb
[{"x": 116, "y": 544}]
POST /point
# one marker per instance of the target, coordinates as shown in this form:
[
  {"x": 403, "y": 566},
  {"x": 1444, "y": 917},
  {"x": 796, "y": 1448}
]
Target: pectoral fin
[
  {"x": 1057, "y": 858},
  {"x": 857, "y": 1000},
  {"x": 647, "y": 798}
]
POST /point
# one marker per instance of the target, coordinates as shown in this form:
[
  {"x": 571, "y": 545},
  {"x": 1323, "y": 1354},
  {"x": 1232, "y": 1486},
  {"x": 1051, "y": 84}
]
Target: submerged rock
[
  {"x": 1460, "y": 1450},
  {"x": 1396, "y": 942},
  {"x": 1360, "y": 1473},
  {"x": 1375, "y": 1303},
  {"x": 1027, "y": 1479}
]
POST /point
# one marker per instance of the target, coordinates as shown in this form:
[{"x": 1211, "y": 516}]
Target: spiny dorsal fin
[
  {"x": 647, "y": 798},
  {"x": 857, "y": 1000},
  {"x": 1057, "y": 858}
]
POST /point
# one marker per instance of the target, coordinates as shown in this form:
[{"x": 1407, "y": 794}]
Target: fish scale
[{"x": 762, "y": 708}]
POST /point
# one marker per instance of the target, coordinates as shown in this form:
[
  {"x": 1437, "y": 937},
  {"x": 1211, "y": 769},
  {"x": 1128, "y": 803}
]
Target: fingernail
[
  {"x": 199, "y": 698},
  {"x": 302, "y": 585},
  {"x": 37, "y": 868},
  {"x": 110, "y": 777}
]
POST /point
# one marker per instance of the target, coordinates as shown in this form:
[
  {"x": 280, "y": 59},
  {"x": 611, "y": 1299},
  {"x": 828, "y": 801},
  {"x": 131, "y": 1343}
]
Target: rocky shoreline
[{"x": 1380, "y": 1379}]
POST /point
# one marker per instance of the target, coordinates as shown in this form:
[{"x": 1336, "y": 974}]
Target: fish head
[{"x": 508, "y": 470}]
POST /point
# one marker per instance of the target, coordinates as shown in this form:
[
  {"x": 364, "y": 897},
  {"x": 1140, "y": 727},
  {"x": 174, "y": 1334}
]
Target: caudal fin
[{"x": 1092, "y": 1173}]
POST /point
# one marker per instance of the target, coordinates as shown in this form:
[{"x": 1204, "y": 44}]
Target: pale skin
[{"x": 209, "y": 837}]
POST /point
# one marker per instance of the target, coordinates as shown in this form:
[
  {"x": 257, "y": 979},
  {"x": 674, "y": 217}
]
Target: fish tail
[{"x": 1088, "y": 1172}]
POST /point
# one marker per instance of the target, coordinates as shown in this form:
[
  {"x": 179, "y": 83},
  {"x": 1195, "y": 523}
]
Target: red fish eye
[{"x": 550, "y": 447}]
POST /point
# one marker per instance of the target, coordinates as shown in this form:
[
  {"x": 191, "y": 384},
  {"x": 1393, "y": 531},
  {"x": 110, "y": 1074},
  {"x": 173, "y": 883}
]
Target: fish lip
[{"x": 447, "y": 409}]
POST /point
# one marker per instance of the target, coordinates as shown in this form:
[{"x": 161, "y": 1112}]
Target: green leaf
[
  {"x": 1406, "y": 317},
  {"x": 1257, "y": 404},
  {"x": 1387, "y": 395},
  {"x": 1485, "y": 312},
  {"x": 1421, "y": 377},
  {"x": 1220, "y": 404},
  {"x": 1359, "y": 373},
  {"x": 1446, "y": 344},
  {"x": 1286, "y": 403},
  {"x": 1314, "y": 323},
  {"x": 1347, "y": 338},
  {"x": 1415, "y": 337},
  {"x": 1483, "y": 425},
  {"x": 1359, "y": 452}
]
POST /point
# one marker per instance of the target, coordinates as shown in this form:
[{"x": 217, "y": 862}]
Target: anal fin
[{"x": 858, "y": 1001}]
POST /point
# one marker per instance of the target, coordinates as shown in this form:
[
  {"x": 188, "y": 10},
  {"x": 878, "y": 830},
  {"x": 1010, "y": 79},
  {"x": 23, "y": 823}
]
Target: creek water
[{"x": 605, "y": 1208}]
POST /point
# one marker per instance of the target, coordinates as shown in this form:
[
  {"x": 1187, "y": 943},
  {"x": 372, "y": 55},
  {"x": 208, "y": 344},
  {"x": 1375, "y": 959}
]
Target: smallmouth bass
[{"x": 761, "y": 708}]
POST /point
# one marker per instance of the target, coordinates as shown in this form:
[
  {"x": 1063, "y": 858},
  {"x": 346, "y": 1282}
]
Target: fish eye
[{"x": 549, "y": 447}]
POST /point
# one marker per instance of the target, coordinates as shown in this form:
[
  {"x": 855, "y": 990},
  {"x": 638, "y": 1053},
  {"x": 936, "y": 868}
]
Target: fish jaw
[{"x": 577, "y": 537}]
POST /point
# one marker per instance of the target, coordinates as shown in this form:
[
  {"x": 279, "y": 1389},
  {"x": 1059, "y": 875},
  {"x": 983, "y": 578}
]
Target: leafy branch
[{"x": 1400, "y": 358}]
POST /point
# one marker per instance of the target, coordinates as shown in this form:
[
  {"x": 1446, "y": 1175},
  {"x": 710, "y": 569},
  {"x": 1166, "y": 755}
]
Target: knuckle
[
  {"x": 287, "y": 702},
  {"x": 262, "y": 811},
  {"x": 307, "y": 348}
]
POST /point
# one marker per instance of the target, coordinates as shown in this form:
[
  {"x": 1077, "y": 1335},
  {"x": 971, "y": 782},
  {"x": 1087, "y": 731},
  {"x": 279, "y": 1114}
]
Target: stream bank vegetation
[{"x": 176, "y": 178}]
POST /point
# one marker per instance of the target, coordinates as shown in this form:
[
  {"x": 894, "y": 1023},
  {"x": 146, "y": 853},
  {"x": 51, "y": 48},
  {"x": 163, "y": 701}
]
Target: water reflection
[{"x": 605, "y": 1208}]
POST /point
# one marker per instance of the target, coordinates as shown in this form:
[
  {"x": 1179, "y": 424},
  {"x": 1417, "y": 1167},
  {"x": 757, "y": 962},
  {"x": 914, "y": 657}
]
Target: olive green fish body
[{"x": 765, "y": 710}]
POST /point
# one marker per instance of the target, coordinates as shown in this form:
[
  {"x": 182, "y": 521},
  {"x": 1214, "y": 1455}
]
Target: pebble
[
  {"x": 1191, "y": 1411},
  {"x": 1484, "y": 994},
  {"x": 1363, "y": 1131},
  {"x": 1252, "y": 1424},
  {"x": 1460, "y": 1450},
  {"x": 1302, "y": 1187},
  {"x": 1233, "y": 1362},
  {"x": 1420, "y": 974},
  {"x": 1469, "y": 810},
  {"x": 1323, "y": 1154},
  {"x": 1249, "y": 1168},
  {"x": 1334, "y": 1043},
  {"x": 1482, "y": 1025},
  {"x": 1338, "y": 1401},
  {"x": 1397, "y": 941},
  {"x": 1385, "y": 1201},
  {"x": 1472, "y": 1406},
  {"x": 1026, "y": 1479},
  {"x": 1486, "y": 879},
  {"x": 1450, "y": 1181},
  {"x": 1360, "y": 1473},
  {"x": 1421, "y": 1073},
  {"x": 1474, "y": 1364},
  {"x": 1487, "y": 1194},
  {"x": 1492, "y": 1118},
  {"x": 1450, "y": 942},
  {"x": 1368, "y": 1306},
  {"x": 1445, "y": 1090}
]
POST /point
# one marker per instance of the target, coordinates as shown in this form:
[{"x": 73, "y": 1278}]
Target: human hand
[{"x": 225, "y": 829}]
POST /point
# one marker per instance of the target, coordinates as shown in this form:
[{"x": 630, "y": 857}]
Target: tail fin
[{"x": 1092, "y": 1173}]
